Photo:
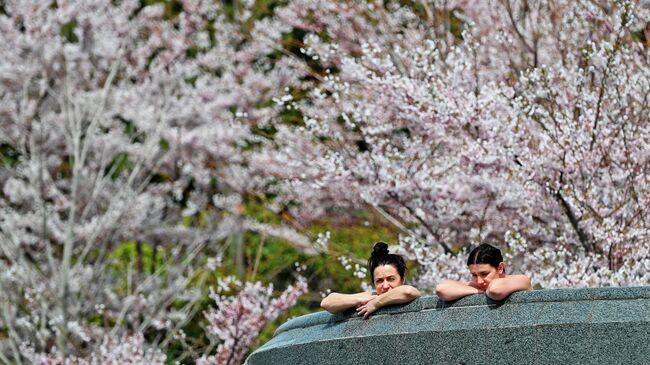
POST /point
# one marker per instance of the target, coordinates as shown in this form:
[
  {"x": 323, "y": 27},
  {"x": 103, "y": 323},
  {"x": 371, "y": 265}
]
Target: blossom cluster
[{"x": 237, "y": 320}]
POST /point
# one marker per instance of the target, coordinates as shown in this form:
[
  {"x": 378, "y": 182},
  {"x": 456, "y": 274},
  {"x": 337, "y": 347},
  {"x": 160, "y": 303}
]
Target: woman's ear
[{"x": 501, "y": 269}]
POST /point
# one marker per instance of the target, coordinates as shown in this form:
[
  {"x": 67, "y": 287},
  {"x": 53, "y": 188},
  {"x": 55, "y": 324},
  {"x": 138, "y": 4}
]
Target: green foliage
[
  {"x": 641, "y": 36},
  {"x": 264, "y": 131},
  {"x": 164, "y": 145},
  {"x": 277, "y": 259},
  {"x": 67, "y": 31},
  {"x": 456, "y": 25},
  {"x": 8, "y": 155},
  {"x": 292, "y": 117},
  {"x": 140, "y": 256},
  {"x": 119, "y": 164},
  {"x": 255, "y": 208},
  {"x": 172, "y": 7},
  {"x": 264, "y": 8},
  {"x": 132, "y": 131},
  {"x": 261, "y": 8}
]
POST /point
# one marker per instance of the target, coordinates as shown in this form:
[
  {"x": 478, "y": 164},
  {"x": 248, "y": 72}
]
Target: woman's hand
[
  {"x": 364, "y": 298},
  {"x": 399, "y": 295},
  {"x": 369, "y": 307}
]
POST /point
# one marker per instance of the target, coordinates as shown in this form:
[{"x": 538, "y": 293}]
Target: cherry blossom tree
[
  {"x": 466, "y": 121},
  {"x": 123, "y": 137}
]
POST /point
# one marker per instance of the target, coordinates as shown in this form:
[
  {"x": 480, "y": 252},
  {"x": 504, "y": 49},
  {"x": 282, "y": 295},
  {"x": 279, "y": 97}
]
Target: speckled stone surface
[{"x": 576, "y": 326}]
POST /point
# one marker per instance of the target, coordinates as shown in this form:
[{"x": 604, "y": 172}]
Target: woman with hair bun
[
  {"x": 488, "y": 271},
  {"x": 387, "y": 272}
]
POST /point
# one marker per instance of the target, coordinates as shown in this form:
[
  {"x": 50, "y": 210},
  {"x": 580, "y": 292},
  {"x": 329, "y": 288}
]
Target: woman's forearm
[
  {"x": 449, "y": 290},
  {"x": 337, "y": 303},
  {"x": 500, "y": 288},
  {"x": 399, "y": 295}
]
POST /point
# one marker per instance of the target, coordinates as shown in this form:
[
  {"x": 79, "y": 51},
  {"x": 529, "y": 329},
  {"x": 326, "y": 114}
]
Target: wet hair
[
  {"x": 485, "y": 254},
  {"x": 380, "y": 256}
]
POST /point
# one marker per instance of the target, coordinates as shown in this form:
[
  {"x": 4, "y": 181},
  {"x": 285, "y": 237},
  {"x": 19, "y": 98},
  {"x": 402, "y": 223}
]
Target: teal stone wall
[{"x": 561, "y": 326}]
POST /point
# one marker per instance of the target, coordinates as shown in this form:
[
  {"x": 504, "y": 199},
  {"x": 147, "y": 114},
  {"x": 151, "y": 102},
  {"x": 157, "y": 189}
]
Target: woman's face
[
  {"x": 386, "y": 278},
  {"x": 483, "y": 274}
]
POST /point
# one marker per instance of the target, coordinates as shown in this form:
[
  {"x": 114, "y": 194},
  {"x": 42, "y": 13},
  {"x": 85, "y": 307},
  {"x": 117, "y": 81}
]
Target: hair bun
[{"x": 380, "y": 249}]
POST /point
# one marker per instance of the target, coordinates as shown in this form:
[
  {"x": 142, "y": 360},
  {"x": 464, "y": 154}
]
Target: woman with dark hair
[
  {"x": 387, "y": 272},
  {"x": 488, "y": 271}
]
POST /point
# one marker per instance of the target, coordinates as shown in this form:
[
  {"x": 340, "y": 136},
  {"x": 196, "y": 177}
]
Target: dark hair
[
  {"x": 485, "y": 254},
  {"x": 380, "y": 256}
]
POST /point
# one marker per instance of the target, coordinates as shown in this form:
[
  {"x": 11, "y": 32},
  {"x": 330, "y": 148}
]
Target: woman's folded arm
[
  {"x": 399, "y": 295},
  {"x": 500, "y": 288},
  {"x": 449, "y": 290},
  {"x": 337, "y": 302}
]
